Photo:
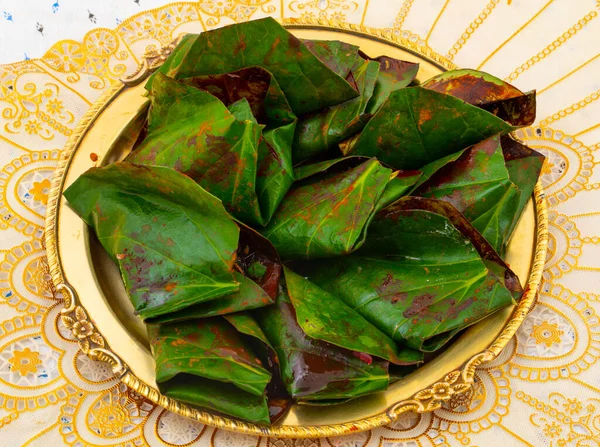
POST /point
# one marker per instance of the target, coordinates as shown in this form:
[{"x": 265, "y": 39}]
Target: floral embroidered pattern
[{"x": 25, "y": 361}]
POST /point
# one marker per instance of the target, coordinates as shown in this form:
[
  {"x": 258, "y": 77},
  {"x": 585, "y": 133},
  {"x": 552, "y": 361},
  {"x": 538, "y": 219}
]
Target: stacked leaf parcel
[{"x": 302, "y": 222}]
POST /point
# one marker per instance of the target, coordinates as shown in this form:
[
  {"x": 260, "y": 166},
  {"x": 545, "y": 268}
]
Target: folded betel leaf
[
  {"x": 257, "y": 269},
  {"x": 338, "y": 56},
  {"x": 323, "y": 316},
  {"x": 242, "y": 111},
  {"x": 258, "y": 259},
  {"x": 270, "y": 107},
  {"x": 524, "y": 167},
  {"x": 308, "y": 84},
  {"x": 479, "y": 185},
  {"x": 488, "y": 92},
  {"x": 193, "y": 132},
  {"x": 278, "y": 399},
  {"x": 320, "y": 132},
  {"x": 174, "y": 242},
  {"x": 416, "y": 126},
  {"x": 431, "y": 168},
  {"x": 275, "y": 174},
  {"x": 269, "y": 104},
  {"x": 399, "y": 184},
  {"x": 326, "y": 214},
  {"x": 394, "y": 74},
  {"x": 423, "y": 274},
  {"x": 208, "y": 363},
  {"x": 313, "y": 369}
]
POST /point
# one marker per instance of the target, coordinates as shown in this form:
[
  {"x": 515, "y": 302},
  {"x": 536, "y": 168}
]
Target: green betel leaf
[
  {"x": 174, "y": 242},
  {"x": 431, "y": 168},
  {"x": 308, "y": 84},
  {"x": 193, "y": 132},
  {"x": 193, "y": 357},
  {"x": 322, "y": 167},
  {"x": 487, "y": 92},
  {"x": 313, "y": 369},
  {"x": 327, "y": 215},
  {"x": 524, "y": 166},
  {"x": 423, "y": 274},
  {"x": 321, "y": 132},
  {"x": 394, "y": 74},
  {"x": 275, "y": 173},
  {"x": 217, "y": 396},
  {"x": 249, "y": 296},
  {"x": 279, "y": 400},
  {"x": 400, "y": 184},
  {"x": 338, "y": 56},
  {"x": 323, "y": 316},
  {"x": 478, "y": 184},
  {"x": 255, "y": 290},
  {"x": 268, "y": 103},
  {"x": 416, "y": 126}
]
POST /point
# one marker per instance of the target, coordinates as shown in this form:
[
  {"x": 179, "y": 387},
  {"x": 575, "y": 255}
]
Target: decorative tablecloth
[{"x": 545, "y": 388}]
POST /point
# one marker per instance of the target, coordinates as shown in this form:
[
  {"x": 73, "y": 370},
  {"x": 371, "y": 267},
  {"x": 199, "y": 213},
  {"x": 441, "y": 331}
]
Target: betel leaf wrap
[
  {"x": 208, "y": 363},
  {"x": 258, "y": 270},
  {"x": 174, "y": 242},
  {"x": 325, "y": 215},
  {"x": 308, "y": 84},
  {"x": 320, "y": 133},
  {"x": 479, "y": 184},
  {"x": 487, "y": 92},
  {"x": 416, "y": 126},
  {"x": 316, "y": 370},
  {"x": 193, "y": 132},
  {"x": 423, "y": 274}
]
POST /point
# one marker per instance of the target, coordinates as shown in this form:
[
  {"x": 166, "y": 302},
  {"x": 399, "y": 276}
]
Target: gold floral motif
[
  {"x": 546, "y": 333},
  {"x": 572, "y": 427},
  {"x": 37, "y": 277},
  {"x": 25, "y": 361},
  {"x": 552, "y": 430},
  {"x": 77, "y": 321},
  {"x": 323, "y": 5},
  {"x": 66, "y": 56},
  {"x": 150, "y": 62},
  {"x": 40, "y": 191},
  {"x": 236, "y": 10},
  {"x": 573, "y": 406},
  {"x": 109, "y": 420},
  {"x": 33, "y": 127},
  {"x": 54, "y": 107}
]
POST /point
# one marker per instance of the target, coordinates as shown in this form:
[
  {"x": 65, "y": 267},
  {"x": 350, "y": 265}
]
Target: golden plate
[{"x": 100, "y": 315}]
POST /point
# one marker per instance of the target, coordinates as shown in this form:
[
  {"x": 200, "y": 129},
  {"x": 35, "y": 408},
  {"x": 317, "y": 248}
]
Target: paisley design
[
  {"x": 575, "y": 337},
  {"x": 568, "y": 164},
  {"x": 25, "y": 282},
  {"x": 541, "y": 390},
  {"x": 20, "y": 207},
  {"x": 114, "y": 415},
  {"x": 564, "y": 246}
]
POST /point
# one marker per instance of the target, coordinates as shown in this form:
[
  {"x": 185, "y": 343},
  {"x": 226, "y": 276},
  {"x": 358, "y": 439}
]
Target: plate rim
[{"x": 425, "y": 400}]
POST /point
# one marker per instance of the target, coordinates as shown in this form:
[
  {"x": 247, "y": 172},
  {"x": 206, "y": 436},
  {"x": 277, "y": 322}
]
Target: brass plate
[{"x": 99, "y": 313}]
